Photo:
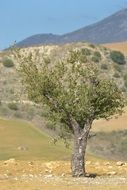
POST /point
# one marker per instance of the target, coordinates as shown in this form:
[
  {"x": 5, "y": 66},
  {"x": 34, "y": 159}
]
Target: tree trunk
[{"x": 78, "y": 157}]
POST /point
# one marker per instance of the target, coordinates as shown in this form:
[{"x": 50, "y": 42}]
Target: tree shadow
[{"x": 91, "y": 175}]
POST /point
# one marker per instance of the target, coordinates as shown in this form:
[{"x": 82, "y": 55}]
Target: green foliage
[
  {"x": 96, "y": 57},
  {"x": 104, "y": 66},
  {"x": 116, "y": 75},
  {"x": 72, "y": 90},
  {"x": 125, "y": 80},
  {"x": 86, "y": 51},
  {"x": 7, "y": 62},
  {"x": 117, "y": 57},
  {"x": 125, "y": 83},
  {"x": 125, "y": 77},
  {"x": 97, "y": 54},
  {"x": 13, "y": 106},
  {"x": 118, "y": 67},
  {"x": 92, "y": 45},
  {"x": 123, "y": 89}
]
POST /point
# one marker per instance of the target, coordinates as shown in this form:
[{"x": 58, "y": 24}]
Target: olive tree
[{"x": 76, "y": 93}]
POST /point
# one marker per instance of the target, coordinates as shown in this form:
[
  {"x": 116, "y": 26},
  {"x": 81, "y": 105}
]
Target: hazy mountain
[{"x": 110, "y": 29}]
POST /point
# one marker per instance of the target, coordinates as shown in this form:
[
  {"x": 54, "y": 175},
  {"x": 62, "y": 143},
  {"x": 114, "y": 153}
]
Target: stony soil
[{"x": 39, "y": 175}]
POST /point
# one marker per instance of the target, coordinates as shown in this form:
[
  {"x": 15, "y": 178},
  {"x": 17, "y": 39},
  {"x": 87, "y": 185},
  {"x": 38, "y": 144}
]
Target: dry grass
[
  {"x": 15, "y": 134},
  {"x": 114, "y": 124},
  {"x": 122, "y": 46}
]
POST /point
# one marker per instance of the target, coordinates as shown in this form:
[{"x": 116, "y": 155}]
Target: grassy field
[{"x": 22, "y": 141}]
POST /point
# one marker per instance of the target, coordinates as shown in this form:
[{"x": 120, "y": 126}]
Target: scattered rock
[
  {"x": 10, "y": 161},
  {"x": 48, "y": 176},
  {"x": 3, "y": 177},
  {"x": 22, "y": 148},
  {"x": 63, "y": 175},
  {"x": 88, "y": 162},
  {"x": 119, "y": 163},
  {"x": 112, "y": 173},
  {"x": 48, "y": 171},
  {"x": 49, "y": 165},
  {"x": 31, "y": 175},
  {"x": 30, "y": 163},
  {"x": 107, "y": 163}
]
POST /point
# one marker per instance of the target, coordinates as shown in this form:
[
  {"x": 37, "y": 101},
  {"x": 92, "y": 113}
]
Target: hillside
[
  {"x": 25, "y": 142},
  {"x": 11, "y": 89},
  {"x": 108, "y": 30},
  {"x": 15, "y": 104}
]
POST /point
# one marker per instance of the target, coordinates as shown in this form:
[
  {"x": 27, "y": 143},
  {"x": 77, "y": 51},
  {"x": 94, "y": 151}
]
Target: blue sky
[{"x": 22, "y": 18}]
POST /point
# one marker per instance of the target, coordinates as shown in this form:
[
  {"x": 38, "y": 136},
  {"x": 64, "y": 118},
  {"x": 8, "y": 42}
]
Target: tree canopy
[{"x": 72, "y": 88}]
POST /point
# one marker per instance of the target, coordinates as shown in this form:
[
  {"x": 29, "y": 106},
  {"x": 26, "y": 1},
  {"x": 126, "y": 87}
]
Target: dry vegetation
[{"x": 121, "y": 46}]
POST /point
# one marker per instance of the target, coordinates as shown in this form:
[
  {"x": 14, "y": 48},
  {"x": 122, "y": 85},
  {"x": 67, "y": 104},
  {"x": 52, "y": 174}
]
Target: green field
[{"x": 16, "y": 135}]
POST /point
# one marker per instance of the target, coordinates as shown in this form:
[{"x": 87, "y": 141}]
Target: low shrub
[
  {"x": 7, "y": 62},
  {"x": 96, "y": 57},
  {"x": 104, "y": 66},
  {"x": 116, "y": 75},
  {"x": 123, "y": 89},
  {"x": 117, "y": 57},
  {"x": 92, "y": 45},
  {"x": 118, "y": 67},
  {"x": 125, "y": 77},
  {"x": 13, "y": 106},
  {"x": 86, "y": 51},
  {"x": 125, "y": 83}
]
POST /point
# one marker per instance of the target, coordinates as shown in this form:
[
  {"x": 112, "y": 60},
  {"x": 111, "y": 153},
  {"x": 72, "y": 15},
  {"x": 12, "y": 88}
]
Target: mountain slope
[
  {"x": 110, "y": 29},
  {"x": 39, "y": 39}
]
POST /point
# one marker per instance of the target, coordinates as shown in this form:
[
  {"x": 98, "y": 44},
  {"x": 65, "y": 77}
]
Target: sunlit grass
[{"x": 15, "y": 134}]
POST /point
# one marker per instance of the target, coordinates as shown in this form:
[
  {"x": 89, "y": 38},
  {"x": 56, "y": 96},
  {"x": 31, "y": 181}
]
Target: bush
[
  {"x": 116, "y": 75},
  {"x": 125, "y": 77},
  {"x": 96, "y": 57},
  {"x": 18, "y": 115},
  {"x": 83, "y": 58},
  {"x": 117, "y": 57},
  {"x": 123, "y": 89},
  {"x": 92, "y": 45},
  {"x": 118, "y": 67},
  {"x": 86, "y": 51},
  {"x": 104, "y": 66},
  {"x": 7, "y": 62},
  {"x": 97, "y": 54},
  {"x": 125, "y": 83},
  {"x": 13, "y": 106}
]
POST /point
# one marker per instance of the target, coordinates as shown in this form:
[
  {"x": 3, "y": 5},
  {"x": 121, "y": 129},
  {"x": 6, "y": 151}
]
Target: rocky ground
[{"x": 39, "y": 175}]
